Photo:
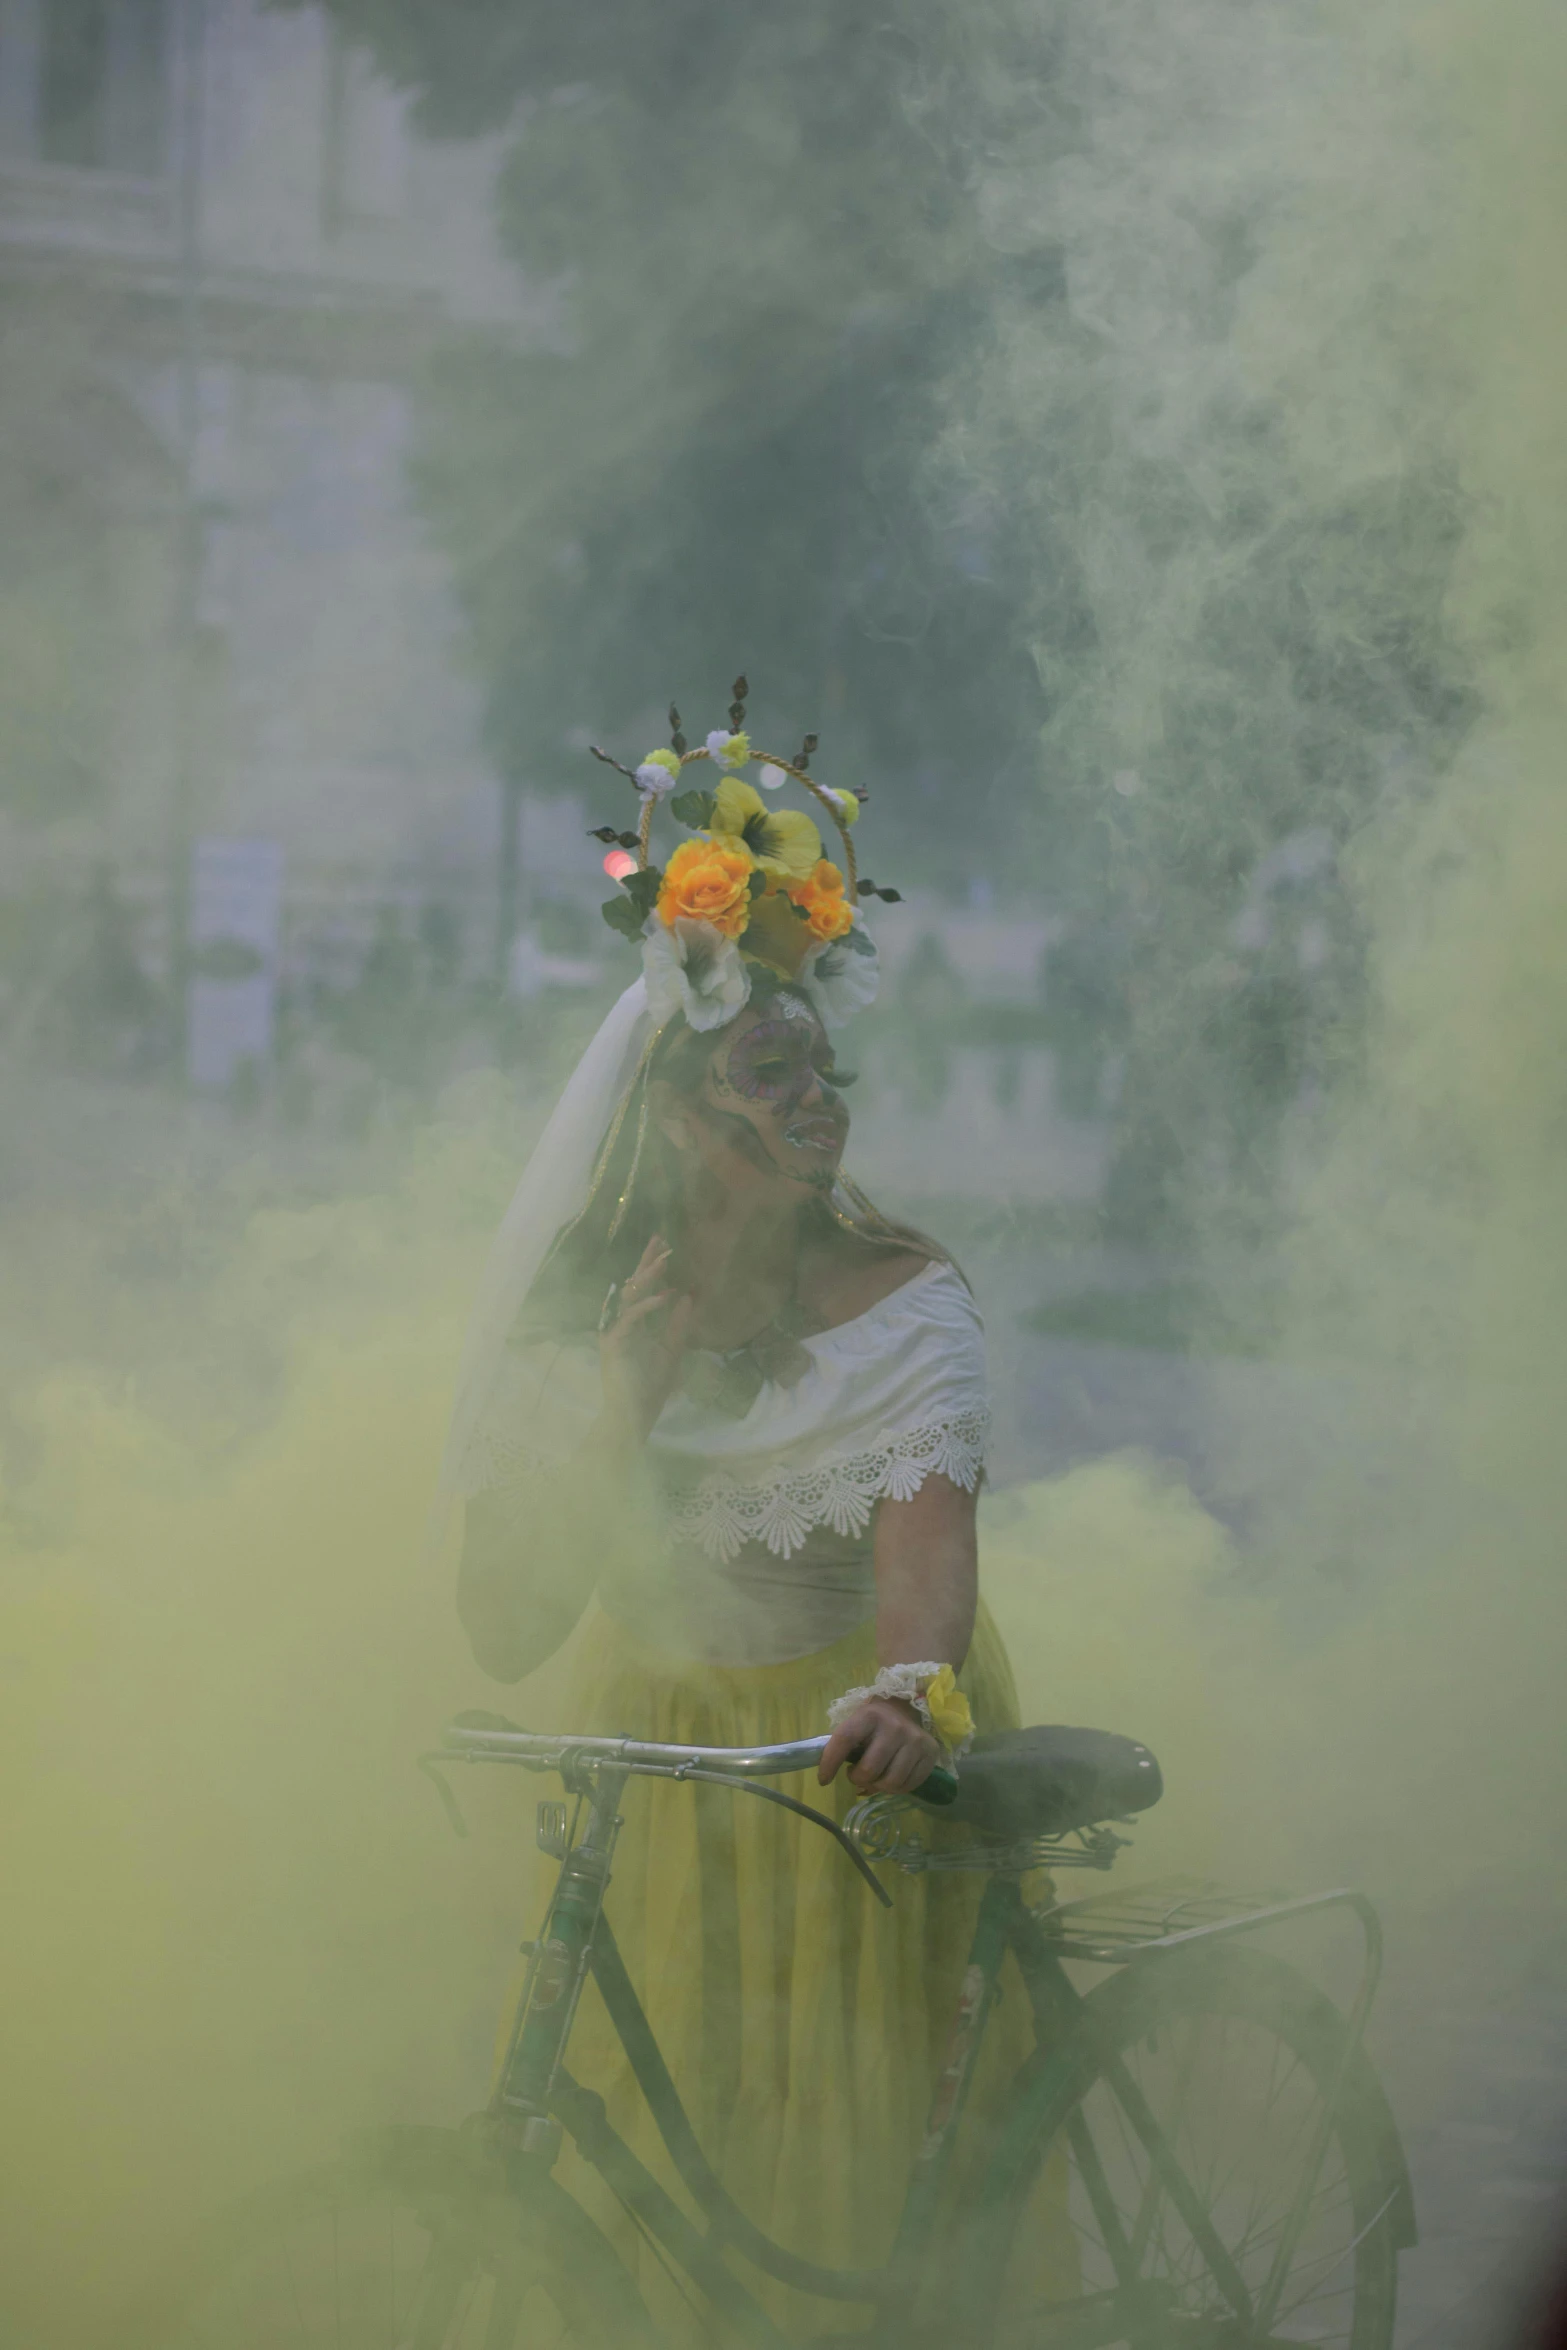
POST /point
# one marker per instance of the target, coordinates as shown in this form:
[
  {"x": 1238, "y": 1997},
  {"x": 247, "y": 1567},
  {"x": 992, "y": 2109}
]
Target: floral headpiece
[{"x": 750, "y": 898}]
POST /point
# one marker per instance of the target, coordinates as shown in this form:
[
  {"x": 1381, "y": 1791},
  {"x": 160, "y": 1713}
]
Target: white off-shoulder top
[{"x": 767, "y": 1518}]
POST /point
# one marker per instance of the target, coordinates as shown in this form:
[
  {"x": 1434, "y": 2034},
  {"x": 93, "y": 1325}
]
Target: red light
[{"x": 619, "y": 863}]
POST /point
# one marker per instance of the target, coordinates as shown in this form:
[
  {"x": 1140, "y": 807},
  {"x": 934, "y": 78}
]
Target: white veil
[{"x": 553, "y": 1189}]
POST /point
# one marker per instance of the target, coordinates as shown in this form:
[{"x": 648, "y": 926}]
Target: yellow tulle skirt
[{"x": 803, "y": 2023}]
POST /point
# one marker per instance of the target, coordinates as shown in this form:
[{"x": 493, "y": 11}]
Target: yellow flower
[
  {"x": 846, "y": 803},
  {"x": 784, "y": 843},
  {"x": 821, "y": 900},
  {"x": 708, "y": 881},
  {"x": 950, "y": 1717},
  {"x": 729, "y": 750},
  {"x": 668, "y": 760}
]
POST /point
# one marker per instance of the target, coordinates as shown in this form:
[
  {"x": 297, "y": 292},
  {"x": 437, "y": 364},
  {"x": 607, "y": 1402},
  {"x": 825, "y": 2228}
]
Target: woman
[{"x": 725, "y": 1422}]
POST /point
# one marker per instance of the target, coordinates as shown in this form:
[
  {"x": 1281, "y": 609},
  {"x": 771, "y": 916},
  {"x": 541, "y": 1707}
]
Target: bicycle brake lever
[{"x": 792, "y": 1803}]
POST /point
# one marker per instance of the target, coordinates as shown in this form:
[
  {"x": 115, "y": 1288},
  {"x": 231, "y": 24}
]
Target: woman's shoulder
[
  {"x": 912, "y": 1358},
  {"x": 843, "y": 1276},
  {"x": 853, "y": 1277}
]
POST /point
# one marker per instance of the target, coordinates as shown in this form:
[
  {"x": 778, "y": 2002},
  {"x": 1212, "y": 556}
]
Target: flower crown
[{"x": 750, "y": 899}]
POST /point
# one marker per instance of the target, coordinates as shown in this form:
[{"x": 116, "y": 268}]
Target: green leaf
[
  {"x": 622, "y": 915},
  {"x": 642, "y": 889},
  {"x": 757, "y": 883},
  {"x": 694, "y": 809},
  {"x": 858, "y": 941}
]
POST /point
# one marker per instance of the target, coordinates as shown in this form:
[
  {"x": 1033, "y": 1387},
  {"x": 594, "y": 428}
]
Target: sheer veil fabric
[{"x": 553, "y": 1189}]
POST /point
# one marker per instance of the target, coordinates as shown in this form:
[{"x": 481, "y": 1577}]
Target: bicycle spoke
[
  {"x": 1152, "y": 2193},
  {"x": 1299, "y": 2132},
  {"x": 1191, "y": 2150}
]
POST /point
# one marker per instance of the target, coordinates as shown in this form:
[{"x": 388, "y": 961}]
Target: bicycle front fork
[{"x": 557, "y": 1970}]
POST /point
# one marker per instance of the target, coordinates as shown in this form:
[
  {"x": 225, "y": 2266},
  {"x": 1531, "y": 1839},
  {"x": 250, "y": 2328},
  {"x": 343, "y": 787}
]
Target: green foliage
[
  {"x": 694, "y": 809},
  {"x": 642, "y": 888},
  {"x": 759, "y": 228},
  {"x": 622, "y": 915},
  {"x": 638, "y": 896},
  {"x": 918, "y": 361}
]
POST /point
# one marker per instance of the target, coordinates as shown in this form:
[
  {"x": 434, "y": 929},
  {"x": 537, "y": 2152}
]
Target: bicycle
[{"x": 1234, "y": 2175}]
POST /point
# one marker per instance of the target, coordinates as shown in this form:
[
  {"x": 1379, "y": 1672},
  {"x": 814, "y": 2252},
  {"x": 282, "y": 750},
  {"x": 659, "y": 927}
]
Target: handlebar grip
[{"x": 940, "y": 1789}]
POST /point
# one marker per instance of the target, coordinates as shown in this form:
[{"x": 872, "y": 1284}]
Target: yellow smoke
[
  {"x": 235, "y": 1922},
  {"x": 1399, "y": 1715}
]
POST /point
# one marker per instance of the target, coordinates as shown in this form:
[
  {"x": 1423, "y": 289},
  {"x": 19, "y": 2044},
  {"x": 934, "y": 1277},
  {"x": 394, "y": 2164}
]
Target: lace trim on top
[
  {"x": 721, "y": 1516},
  {"x": 493, "y": 1461}
]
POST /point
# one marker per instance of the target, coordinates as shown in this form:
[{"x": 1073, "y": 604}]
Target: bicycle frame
[{"x": 535, "y": 2097}]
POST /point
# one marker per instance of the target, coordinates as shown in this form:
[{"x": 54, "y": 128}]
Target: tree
[
  {"x": 763, "y": 256},
  {"x": 944, "y": 368}
]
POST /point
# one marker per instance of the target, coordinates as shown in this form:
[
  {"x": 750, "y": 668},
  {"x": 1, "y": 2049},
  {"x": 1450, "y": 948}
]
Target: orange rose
[
  {"x": 708, "y": 881},
  {"x": 821, "y": 900}
]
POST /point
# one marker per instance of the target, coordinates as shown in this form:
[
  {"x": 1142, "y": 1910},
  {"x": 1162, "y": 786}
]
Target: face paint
[
  {"x": 772, "y": 1067},
  {"x": 771, "y": 1063}
]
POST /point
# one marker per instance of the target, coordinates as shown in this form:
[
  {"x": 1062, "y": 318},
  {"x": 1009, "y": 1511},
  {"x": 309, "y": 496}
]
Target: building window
[{"x": 103, "y": 84}]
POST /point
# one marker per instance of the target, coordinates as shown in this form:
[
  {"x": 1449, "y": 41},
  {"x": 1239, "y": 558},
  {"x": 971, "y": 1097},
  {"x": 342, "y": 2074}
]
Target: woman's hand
[
  {"x": 641, "y": 1345},
  {"x": 894, "y": 1751}
]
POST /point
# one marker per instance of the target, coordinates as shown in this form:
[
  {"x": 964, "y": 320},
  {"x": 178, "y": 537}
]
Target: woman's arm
[
  {"x": 534, "y": 1550},
  {"x": 531, "y": 1556},
  {"x": 927, "y": 1590},
  {"x": 927, "y": 1575}
]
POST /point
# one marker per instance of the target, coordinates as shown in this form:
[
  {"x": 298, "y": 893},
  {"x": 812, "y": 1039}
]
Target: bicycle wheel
[
  {"x": 1091, "y": 2239},
  {"x": 416, "y": 2245}
]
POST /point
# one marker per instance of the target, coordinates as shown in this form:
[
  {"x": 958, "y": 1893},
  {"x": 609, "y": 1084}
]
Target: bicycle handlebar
[{"x": 480, "y": 1741}]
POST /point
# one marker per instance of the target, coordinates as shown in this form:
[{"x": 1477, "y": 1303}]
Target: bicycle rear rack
[{"x": 1112, "y": 1928}]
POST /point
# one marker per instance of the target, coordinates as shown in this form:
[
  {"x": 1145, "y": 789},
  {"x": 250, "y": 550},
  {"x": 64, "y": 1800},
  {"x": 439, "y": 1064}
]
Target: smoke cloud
[{"x": 1315, "y": 362}]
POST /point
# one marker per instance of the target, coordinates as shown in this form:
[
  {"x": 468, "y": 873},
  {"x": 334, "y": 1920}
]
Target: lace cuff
[
  {"x": 933, "y": 1692},
  {"x": 720, "y": 1515}
]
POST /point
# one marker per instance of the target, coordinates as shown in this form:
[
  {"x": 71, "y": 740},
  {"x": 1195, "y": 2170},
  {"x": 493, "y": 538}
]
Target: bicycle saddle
[{"x": 1047, "y": 1780}]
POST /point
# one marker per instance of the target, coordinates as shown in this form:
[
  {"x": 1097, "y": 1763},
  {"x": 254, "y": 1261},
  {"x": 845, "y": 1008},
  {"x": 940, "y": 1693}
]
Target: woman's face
[{"x": 772, "y": 1107}]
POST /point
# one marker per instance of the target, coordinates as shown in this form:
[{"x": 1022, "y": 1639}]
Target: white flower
[
  {"x": 846, "y": 802},
  {"x": 728, "y": 750},
  {"x": 692, "y": 968},
  {"x": 842, "y": 978},
  {"x": 658, "y": 773},
  {"x": 772, "y": 778}
]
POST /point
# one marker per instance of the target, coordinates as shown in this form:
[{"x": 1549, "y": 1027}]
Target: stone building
[{"x": 223, "y": 254}]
